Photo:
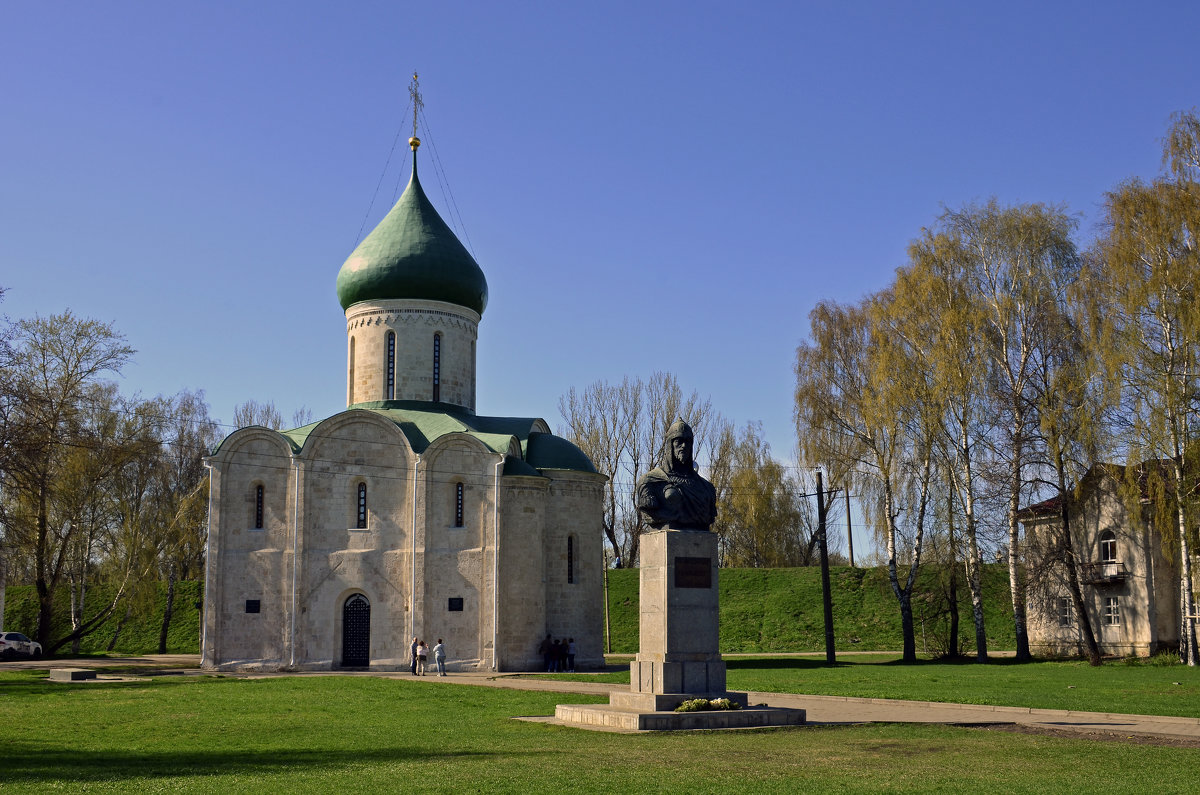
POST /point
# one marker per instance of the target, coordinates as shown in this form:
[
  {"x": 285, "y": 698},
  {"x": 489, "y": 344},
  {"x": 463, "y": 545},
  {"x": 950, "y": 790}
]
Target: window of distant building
[
  {"x": 1108, "y": 547},
  {"x": 1066, "y": 611},
  {"x": 361, "y": 522},
  {"x": 458, "y": 505},
  {"x": 258, "y": 507},
  {"x": 390, "y": 372},
  {"x": 1112, "y": 611}
]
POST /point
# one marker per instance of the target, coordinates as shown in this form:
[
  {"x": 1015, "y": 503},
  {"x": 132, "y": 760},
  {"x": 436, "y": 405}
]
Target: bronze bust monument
[{"x": 673, "y": 494}]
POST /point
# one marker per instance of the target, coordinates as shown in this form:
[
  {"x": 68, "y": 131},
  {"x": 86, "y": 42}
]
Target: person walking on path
[
  {"x": 571, "y": 655},
  {"x": 439, "y": 657},
  {"x": 544, "y": 649},
  {"x": 422, "y": 656},
  {"x": 413, "y": 658}
]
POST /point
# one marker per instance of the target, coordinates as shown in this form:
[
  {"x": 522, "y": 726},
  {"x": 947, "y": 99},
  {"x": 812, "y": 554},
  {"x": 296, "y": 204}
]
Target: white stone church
[{"x": 333, "y": 545}]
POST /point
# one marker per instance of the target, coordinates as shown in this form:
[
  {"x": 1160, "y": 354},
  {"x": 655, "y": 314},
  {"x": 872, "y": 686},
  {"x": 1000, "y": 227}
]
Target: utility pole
[
  {"x": 826, "y": 597},
  {"x": 849, "y": 529},
  {"x": 607, "y": 621}
]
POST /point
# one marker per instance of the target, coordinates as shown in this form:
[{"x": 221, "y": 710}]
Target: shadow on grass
[
  {"x": 39, "y": 684},
  {"x": 781, "y": 664},
  {"x": 27, "y": 763},
  {"x": 813, "y": 663}
]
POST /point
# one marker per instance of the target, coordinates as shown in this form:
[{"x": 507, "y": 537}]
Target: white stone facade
[
  {"x": 1129, "y": 586},
  {"x": 420, "y": 328},
  {"x": 526, "y": 561}
]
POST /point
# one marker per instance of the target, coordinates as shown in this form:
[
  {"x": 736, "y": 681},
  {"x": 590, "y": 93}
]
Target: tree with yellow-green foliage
[
  {"x": 765, "y": 520},
  {"x": 858, "y": 415},
  {"x": 1145, "y": 285}
]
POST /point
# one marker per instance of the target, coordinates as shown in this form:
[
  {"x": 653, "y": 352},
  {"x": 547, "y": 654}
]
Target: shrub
[{"x": 703, "y": 704}]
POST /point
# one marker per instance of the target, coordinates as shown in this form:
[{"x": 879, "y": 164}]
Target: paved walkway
[{"x": 821, "y": 709}]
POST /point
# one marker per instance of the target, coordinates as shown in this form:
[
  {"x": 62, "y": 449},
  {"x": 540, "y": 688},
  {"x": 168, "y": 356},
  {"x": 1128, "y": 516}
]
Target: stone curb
[{"x": 947, "y": 705}]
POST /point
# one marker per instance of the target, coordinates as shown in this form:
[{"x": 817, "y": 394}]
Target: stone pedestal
[{"x": 678, "y": 657}]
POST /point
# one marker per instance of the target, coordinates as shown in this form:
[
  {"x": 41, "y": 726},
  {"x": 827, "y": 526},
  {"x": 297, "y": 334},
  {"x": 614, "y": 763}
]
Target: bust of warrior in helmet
[{"x": 673, "y": 495}]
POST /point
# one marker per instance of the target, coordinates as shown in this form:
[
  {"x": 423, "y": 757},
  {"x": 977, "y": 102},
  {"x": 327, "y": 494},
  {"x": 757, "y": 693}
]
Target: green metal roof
[
  {"x": 547, "y": 451},
  {"x": 516, "y": 467},
  {"x": 412, "y": 253},
  {"x": 424, "y": 422}
]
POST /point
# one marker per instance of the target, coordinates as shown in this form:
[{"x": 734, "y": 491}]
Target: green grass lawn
[
  {"x": 1133, "y": 686},
  {"x": 339, "y": 733}
]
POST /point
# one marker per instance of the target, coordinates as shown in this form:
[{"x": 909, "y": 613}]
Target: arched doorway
[{"x": 356, "y": 632}]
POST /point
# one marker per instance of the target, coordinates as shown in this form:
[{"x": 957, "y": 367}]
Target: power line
[
  {"x": 444, "y": 183},
  {"x": 379, "y": 183},
  {"x": 166, "y": 418}
]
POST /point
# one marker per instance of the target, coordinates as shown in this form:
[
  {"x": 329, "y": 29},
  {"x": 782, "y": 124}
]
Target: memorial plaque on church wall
[{"x": 693, "y": 572}]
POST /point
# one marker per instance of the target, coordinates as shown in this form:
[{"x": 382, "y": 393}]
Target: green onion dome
[{"x": 412, "y": 253}]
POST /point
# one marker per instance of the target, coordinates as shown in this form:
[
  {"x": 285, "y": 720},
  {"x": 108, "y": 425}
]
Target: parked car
[{"x": 14, "y": 644}]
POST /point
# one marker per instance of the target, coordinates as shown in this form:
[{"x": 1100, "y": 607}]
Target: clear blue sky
[{"x": 648, "y": 186}]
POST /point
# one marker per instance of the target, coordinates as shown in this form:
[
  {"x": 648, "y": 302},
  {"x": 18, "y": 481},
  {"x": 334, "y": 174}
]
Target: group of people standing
[
  {"x": 558, "y": 655},
  {"x": 420, "y": 657}
]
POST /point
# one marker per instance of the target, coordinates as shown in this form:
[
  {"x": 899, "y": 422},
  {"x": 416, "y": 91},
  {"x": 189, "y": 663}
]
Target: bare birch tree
[
  {"x": 621, "y": 428},
  {"x": 1017, "y": 262},
  {"x": 939, "y": 276}
]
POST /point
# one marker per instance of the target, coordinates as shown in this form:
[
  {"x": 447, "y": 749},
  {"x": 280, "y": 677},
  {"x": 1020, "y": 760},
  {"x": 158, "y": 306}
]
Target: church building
[{"x": 407, "y": 514}]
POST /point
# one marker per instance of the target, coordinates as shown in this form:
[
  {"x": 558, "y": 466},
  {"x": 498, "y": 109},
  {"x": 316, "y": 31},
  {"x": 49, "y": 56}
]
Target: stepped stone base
[
  {"x": 667, "y": 702},
  {"x": 700, "y": 676},
  {"x": 600, "y": 717}
]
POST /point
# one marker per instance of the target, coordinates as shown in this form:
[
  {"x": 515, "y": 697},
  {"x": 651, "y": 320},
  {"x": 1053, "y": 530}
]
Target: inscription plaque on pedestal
[{"x": 693, "y": 572}]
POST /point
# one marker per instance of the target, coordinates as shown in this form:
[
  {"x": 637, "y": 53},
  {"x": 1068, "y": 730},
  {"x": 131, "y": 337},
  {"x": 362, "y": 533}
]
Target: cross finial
[{"x": 414, "y": 91}]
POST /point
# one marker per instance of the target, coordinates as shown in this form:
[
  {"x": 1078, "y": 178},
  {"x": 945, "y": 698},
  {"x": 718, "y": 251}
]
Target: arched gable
[
  {"x": 466, "y": 453},
  {"x": 357, "y": 468},
  {"x": 343, "y": 436},
  {"x": 251, "y": 476},
  {"x": 252, "y": 440}
]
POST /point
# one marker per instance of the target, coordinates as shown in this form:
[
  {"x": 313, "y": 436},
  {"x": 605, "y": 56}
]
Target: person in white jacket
[
  {"x": 439, "y": 656},
  {"x": 422, "y": 656}
]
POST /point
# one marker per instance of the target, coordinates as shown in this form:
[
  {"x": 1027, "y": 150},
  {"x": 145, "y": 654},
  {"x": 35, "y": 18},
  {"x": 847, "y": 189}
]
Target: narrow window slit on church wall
[
  {"x": 570, "y": 560},
  {"x": 350, "y": 388},
  {"x": 258, "y": 507},
  {"x": 437, "y": 370},
  {"x": 390, "y": 365},
  {"x": 361, "y": 522}
]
